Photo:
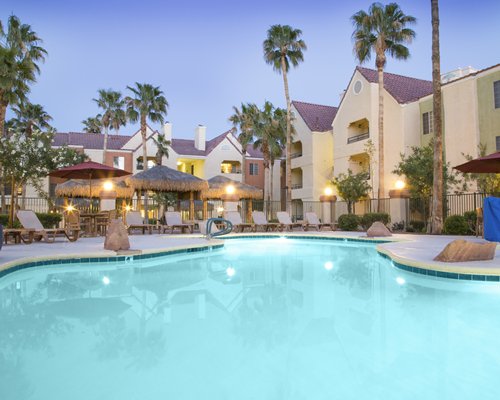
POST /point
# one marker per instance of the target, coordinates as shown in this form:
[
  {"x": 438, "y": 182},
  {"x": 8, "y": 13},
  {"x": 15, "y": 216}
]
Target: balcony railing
[
  {"x": 296, "y": 185},
  {"x": 296, "y": 155},
  {"x": 359, "y": 137}
]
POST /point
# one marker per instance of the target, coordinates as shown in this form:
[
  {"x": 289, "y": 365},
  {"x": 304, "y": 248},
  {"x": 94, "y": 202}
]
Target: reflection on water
[{"x": 262, "y": 319}]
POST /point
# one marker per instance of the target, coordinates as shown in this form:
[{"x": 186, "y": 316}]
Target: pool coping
[{"x": 456, "y": 271}]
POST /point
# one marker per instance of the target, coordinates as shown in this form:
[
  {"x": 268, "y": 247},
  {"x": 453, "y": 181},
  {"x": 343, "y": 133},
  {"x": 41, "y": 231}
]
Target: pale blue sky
[{"x": 207, "y": 55}]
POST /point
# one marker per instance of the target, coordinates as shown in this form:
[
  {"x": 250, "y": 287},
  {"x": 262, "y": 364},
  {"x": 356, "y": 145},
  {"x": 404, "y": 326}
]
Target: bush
[
  {"x": 471, "y": 219},
  {"x": 349, "y": 222},
  {"x": 456, "y": 225},
  {"x": 416, "y": 226},
  {"x": 49, "y": 220},
  {"x": 398, "y": 226},
  {"x": 369, "y": 218}
]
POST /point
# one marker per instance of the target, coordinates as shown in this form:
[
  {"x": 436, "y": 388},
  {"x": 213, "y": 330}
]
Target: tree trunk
[
  {"x": 105, "y": 145},
  {"x": 12, "y": 203},
  {"x": 381, "y": 158},
  {"x": 288, "y": 139},
  {"x": 437, "y": 186},
  {"x": 244, "y": 164},
  {"x": 265, "y": 153},
  {"x": 3, "y": 111},
  {"x": 144, "y": 161},
  {"x": 271, "y": 197}
]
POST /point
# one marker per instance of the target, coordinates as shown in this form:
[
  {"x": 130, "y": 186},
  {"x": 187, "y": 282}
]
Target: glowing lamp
[
  {"x": 179, "y": 162},
  {"x": 220, "y": 209},
  {"x": 328, "y": 191},
  {"x": 128, "y": 208},
  {"x": 400, "y": 185},
  {"x": 230, "y": 189},
  {"x": 108, "y": 186},
  {"x": 70, "y": 208}
]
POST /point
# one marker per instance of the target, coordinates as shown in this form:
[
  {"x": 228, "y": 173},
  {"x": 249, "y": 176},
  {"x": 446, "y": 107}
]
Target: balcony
[
  {"x": 296, "y": 155},
  {"x": 296, "y": 186},
  {"x": 357, "y": 138}
]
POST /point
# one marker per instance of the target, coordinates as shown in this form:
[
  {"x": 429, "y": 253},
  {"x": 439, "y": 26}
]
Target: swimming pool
[{"x": 259, "y": 319}]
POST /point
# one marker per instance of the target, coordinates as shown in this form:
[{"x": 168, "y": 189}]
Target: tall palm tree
[
  {"x": 283, "y": 47},
  {"x": 383, "y": 30},
  {"x": 278, "y": 142},
  {"x": 162, "y": 146},
  {"x": 241, "y": 120},
  {"x": 29, "y": 117},
  {"x": 437, "y": 186},
  {"x": 148, "y": 102},
  {"x": 93, "y": 124},
  {"x": 112, "y": 104}
]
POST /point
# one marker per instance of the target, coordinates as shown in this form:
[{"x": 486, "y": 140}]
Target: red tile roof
[
  {"x": 89, "y": 140},
  {"x": 318, "y": 118},
  {"x": 403, "y": 88}
]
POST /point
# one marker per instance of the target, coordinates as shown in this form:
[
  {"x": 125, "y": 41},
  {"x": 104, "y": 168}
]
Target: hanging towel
[{"x": 492, "y": 219}]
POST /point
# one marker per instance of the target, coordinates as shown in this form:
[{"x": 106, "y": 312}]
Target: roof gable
[
  {"x": 186, "y": 146},
  {"x": 318, "y": 118},
  {"x": 89, "y": 140},
  {"x": 404, "y": 89}
]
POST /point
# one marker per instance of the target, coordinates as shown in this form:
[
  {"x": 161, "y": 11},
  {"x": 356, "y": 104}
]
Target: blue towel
[{"x": 492, "y": 219}]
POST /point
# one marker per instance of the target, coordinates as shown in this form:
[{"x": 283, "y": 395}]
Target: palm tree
[
  {"x": 278, "y": 142},
  {"x": 283, "y": 47},
  {"x": 162, "y": 146},
  {"x": 383, "y": 30},
  {"x": 93, "y": 124},
  {"x": 147, "y": 102},
  {"x": 437, "y": 186},
  {"x": 241, "y": 120},
  {"x": 29, "y": 117},
  {"x": 112, "y": 105}
]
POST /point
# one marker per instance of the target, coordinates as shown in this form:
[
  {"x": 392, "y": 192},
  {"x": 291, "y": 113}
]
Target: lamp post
[
  {"x": 107, "y": 196},
  {"x": 327, "y": 201}
]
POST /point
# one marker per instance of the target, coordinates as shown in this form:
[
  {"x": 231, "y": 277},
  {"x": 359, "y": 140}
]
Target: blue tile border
[
  {"x": 443, "y": 274},
  {"x": 333, "y": 239},
  {"x": 93, "y": 260}
]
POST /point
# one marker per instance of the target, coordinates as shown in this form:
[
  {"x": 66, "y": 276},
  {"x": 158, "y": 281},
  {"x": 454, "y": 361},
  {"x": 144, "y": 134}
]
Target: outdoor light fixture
[
  {"x": 220, "y": 210},
  {"x": 108, "y": 186},
  {"x": 328, "y": 191},
  {"x": 70, "y": 208},
  {"x": 400, "y": 184},
  {"x": 179, "y": 162},
  {"x": 230, "y": 189}
]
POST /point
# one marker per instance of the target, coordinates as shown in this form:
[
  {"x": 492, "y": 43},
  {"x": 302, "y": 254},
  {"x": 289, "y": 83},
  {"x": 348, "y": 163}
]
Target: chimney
[
  {"x": 199, "y": 137},
  {"x": 167, "y": 130}
]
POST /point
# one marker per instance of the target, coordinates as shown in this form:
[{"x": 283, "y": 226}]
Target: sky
[{"x": 207, "y": 56}]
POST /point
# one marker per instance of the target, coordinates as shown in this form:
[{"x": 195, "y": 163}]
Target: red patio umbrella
[
  {"x": 89, "y": 170},
  {"x": 486, "y": 164}
]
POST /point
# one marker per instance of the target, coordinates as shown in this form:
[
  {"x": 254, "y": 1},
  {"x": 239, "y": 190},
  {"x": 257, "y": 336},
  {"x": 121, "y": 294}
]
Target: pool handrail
[{"x": 211, "y": 221}]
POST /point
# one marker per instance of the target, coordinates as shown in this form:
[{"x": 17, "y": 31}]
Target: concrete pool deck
[{"x": 407, "y": 249}]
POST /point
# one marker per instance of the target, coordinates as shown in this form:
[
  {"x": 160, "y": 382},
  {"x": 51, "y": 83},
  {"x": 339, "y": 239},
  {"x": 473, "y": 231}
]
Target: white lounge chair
[
  {"x": 260, "y": 221},
  {"x": 235, "y": 218},
  {"x": 173, "y": 220},
  {"x": 134, "y": 220},
  {"x": 286, "y": 222},
  {"x": 30, "y": 221},
  {"x": 312, "y": 221}
]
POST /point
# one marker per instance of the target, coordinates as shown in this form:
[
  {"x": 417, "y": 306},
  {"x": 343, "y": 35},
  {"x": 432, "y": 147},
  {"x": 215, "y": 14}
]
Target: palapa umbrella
[
  {"x": 486, "y": 164},
  {"x": 161, "y": 178},
  {"x": 217, "y": 187},
  {"x": 88, "y": 170},
  {"x": 81, "y": 188}
]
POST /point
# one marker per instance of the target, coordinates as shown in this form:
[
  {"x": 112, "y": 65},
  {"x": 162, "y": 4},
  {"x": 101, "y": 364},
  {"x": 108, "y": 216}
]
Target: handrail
[{"x": 225, "y": 231}]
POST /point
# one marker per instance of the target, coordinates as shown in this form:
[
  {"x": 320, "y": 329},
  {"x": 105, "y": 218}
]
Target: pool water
[{"x": 260, "y": 319}]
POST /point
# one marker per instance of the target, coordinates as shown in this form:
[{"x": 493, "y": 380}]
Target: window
[
  {"x": 498, "y": 143},
  {"x": 151, "y": 163},
  {"x": 254, "y": 169},
  {"x": 428, "y": 122},
  {"x": 496, "y": 93},
  {"x": 119, "y": 162}
]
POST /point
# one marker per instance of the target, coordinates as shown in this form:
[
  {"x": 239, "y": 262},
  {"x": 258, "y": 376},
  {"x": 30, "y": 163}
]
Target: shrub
[
  {"x": 456, "y": 225},
  {"x": 398, "y": 226},
  {"x": 348, "y": 222},
  {"x": 471, "y": 219},
  {"x": 416, "y": 226},
  {"x": 369, "y": 218},
  {"x": 49, "y": 220}
]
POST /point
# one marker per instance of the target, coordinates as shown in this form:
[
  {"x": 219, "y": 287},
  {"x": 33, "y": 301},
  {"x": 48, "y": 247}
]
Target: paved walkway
[{"x": 414, "y": 250}]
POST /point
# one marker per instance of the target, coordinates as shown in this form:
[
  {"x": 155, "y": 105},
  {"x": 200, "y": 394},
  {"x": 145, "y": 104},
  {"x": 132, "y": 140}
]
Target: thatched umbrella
[
  {"x": 217, "y": 187},
  {"x": 81, "y": 188},
  {"x": 161, "y": 178}
]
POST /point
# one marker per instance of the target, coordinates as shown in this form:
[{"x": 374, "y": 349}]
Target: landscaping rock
[
  {"x": 116, "y": 236},
  {"x": 378, "y": 229},
  {"x": 462, "y": 250}
]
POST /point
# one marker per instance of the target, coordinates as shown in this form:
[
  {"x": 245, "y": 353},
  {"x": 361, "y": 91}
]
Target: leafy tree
[
  {"x": 93, "y": 124},
  {"x": 112, "y": 104},
  {"x": 437, "y": 198},
  {"x": 283, "y": 47},
  {"x": 28, "y": 159},
  {"x": 485, "y": 183},
  {"x": 382, "y": 30},
  {"x": 148, "y": 102},
  {"x": 352, "y": 187}
]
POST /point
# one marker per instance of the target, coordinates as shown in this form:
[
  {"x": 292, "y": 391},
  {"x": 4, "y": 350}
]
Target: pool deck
[{"x": 410, "y": 250}]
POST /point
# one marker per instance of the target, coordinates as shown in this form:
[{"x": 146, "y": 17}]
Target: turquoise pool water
[{"x": 259, "y": 319}]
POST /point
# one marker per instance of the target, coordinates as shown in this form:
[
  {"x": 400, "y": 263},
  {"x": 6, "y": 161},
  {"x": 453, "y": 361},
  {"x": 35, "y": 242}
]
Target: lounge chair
[
  {"x": 239, "y": 226},
  {"x": 260, "y": 221},
  {"x": 173, "y": 221},
  {"x": 286, "y": 223},
  {"x": 134, "y": 220},
  {"x": 30, "y": 221},
  {"x": 312, "y": 221}
]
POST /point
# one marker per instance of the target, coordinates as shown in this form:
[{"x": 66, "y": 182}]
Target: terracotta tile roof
[
  {"x": 186, "y": 146},
  {"x": 89, "y": 140},
  {"x": 403, "y": 88},
  {"x": 318, "y": 118}
]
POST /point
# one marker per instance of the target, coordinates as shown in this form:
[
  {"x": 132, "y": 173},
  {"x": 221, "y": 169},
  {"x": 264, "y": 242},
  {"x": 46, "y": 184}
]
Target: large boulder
[
  {"x": 378, "y": 229},
  {"x": 462, "y": 250},
  {"x": 116, "y": 236}
]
